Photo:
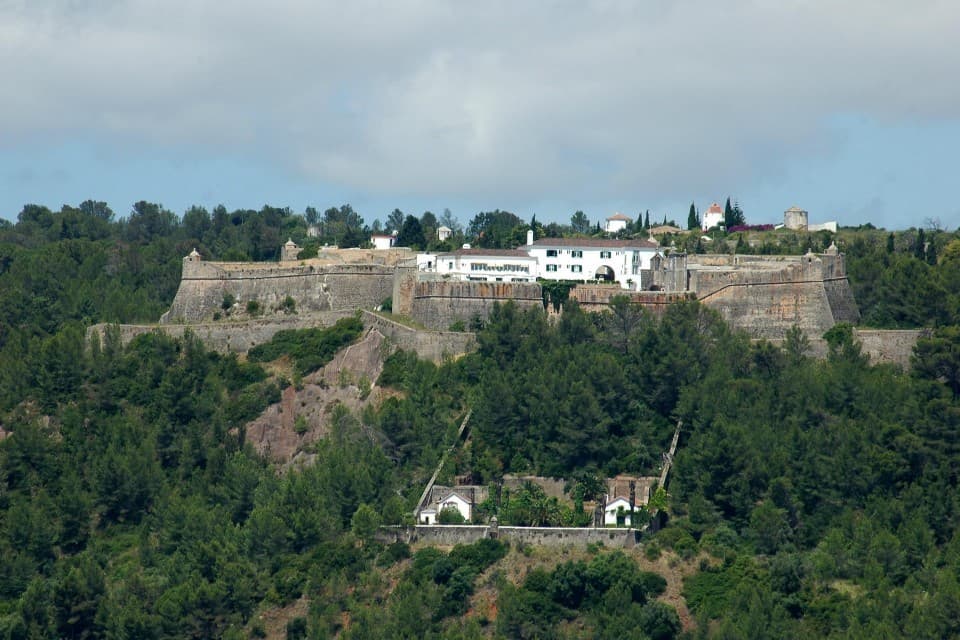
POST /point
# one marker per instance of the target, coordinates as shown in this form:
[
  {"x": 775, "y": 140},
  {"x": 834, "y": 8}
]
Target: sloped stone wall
[
  {"x": 449, "y": 535},
  {"x": 440, "y": 304},
  {"x": 312, "y": 287}
]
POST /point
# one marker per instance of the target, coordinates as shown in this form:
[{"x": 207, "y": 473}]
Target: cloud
[{"x": 484, "y": 100}]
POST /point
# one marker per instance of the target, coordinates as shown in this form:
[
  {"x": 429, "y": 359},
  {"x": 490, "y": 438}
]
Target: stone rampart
[
  {"x": 594, "y": 298},
  {"x": 893, "y": 346},
  {"x": 313, "y": 287},
  {"x": 225, "y": 336},
  {"x": 449, "y": 535},
  {"x": 429, "y": 345},
  {"x": 440, "y": 304},
  {"x": 240, "y": 337}
]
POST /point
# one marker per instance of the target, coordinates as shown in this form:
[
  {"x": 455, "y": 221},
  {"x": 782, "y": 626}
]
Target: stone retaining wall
[
  {"x": 449, "y": 535},
  {"x": 312, "y": 288},
  {"x": 240, "y": 337},
  {"x": 440, "y": 304}
]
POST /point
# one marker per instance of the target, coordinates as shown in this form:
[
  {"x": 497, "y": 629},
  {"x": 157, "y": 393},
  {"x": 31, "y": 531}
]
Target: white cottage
[
  {"x": 617, "y": 222},
  {"x": 383, "y": 240},
  {"x": 452, "y": 500},
  {"x": 616, "y": 513}
]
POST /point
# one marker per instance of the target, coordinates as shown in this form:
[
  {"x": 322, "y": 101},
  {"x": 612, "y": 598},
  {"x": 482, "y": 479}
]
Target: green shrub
[
  {"x": 310, "y": 349},
  {"x": 253, "y": 307},
  {"x": 228, "y": 301},
  {"x": 300, "y": 425}
]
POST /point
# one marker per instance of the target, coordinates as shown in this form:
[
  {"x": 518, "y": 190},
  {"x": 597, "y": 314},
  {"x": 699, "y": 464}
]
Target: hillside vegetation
[{"x": 817, "y": 498}]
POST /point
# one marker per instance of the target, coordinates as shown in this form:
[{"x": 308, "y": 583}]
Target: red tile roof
[
  {"x": 601, "y": 243},
  {"x": 507, "y": 253}
]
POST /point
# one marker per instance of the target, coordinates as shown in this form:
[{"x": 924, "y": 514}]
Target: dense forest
[{"x": 810, "y": 498}]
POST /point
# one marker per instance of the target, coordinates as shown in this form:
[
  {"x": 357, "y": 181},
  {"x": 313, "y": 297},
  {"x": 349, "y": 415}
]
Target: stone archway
[{"x": 605, "y": 273}]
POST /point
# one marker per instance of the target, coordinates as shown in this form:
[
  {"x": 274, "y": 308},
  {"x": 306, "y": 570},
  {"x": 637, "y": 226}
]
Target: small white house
[
  {"x": 616, "y": 513},
  {"x": 452, "y": 500},
  {"x": 444, "y": 233},
  {"x": 713, "y": 217},
  {"x": 617, "y": 222},
  {"x": 383, "y": 241}
]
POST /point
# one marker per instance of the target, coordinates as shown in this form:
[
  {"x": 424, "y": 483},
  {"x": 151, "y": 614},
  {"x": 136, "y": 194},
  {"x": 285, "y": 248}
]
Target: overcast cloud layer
[{"x": 491, "y": 101}]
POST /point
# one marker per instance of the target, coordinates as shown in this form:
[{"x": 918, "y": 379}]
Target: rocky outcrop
[{"x": 304, "y": 415}]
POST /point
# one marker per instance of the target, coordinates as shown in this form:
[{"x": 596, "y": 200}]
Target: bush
[
  {"x": 228, "y": 301},
  {"x": 310, "y": 349},
  {"x": 253, "y": 307},
  {"x": 450, "y": 515},
  {"x": 297, "y": 628}
]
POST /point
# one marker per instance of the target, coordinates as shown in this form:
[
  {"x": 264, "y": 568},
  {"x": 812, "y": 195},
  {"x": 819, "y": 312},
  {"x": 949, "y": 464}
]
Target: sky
[{"x": 850, "y": 109}]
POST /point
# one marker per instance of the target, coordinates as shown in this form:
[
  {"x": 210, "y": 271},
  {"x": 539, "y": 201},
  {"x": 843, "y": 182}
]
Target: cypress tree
[
  {"x": 920, "y": 249},
  {"x": 693, "y": 220}
]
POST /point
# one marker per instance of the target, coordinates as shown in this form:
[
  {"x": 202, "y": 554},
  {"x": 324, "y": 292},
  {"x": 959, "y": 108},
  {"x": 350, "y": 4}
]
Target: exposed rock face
[{"x": 274, "y": 433}]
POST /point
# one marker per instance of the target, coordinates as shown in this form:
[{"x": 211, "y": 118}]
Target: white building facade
[
  {"x": 383, "y": 241},
  {"x": 452, "y": 501},
  {"x": 617, "y": 222},
  {"x": 618, "y": 261},
  {"x": 712, "y": 217},
  {"x": 482, "y": 265}
]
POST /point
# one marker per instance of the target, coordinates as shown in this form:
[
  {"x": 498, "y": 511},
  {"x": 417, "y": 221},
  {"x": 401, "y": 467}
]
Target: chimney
[{"x": 529, "y": 237}]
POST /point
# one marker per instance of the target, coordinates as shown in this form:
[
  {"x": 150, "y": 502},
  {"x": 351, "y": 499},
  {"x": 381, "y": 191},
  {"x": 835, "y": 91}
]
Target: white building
[
  {"x": 444, "y": 233},
  {"x": 454, "y": 501},
  {"x": 593, "y": 259},
  {"x": 617, "y": 222},
  {"x": 712, "y": 217},
  {"x": 617, "y": 512},
  {"x": 482, "y": 265},
  {"x": 383, "y": 241}
]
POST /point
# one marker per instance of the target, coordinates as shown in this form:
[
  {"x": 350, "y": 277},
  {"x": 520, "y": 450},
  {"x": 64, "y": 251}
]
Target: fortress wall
[
  {"x": 404, "y": 284},
  {"x": 438, "y": 305},
  {"x": 240, "y": 337},
  {"x": 313, "y": 288},
  {"x": 228, "y": 336},
  {"x": 449, "y": 535},
  {"x": 769, "y": 310},
  {"x": 843, "y": 307},
  {"x": 889, "y": 345},
  {"x": 596, "y": 298},
  {"x": 429, "y": 345}
]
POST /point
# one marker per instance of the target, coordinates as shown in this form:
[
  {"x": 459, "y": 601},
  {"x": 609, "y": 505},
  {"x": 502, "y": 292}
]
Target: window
[
  {"x": 450, "y": 266},
  {"x": 551, "y": 253},
  {"x": 576, "y": 268},
  {"x": 604, "y": 255},
  {"x": 576, "y": 254},
  {"x": 551, "y": 267}
]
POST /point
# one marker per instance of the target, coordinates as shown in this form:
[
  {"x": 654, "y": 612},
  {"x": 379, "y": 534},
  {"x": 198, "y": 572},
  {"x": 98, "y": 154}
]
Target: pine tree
[{"x": 646, "y": 220}]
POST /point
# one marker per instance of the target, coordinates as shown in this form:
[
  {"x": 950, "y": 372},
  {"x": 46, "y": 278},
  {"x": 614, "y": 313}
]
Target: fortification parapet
[
  {"x": 438, "y": 305},
  {"x": 312, "y": 285}
]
